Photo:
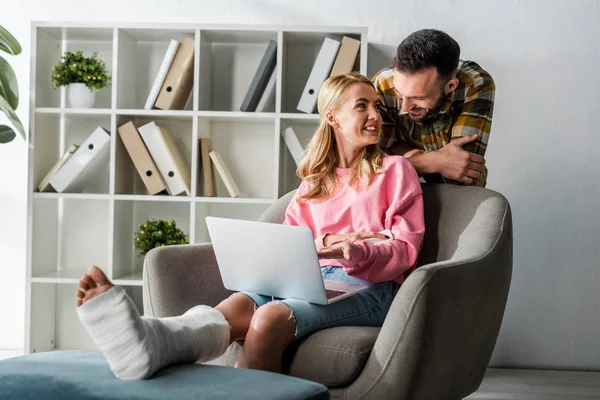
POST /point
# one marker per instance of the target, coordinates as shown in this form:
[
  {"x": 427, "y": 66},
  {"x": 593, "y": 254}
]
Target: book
[
  {"x": 141, "y": 158},
  {"x": 293, "y": 145},
  {"x": 208, "y": 175},
  {"x": 45, "y": 183},
  {"x": 261, "y": 78},
  {"x": 346, "y": 56},
  {"x": 179, "y": 81},
  {"x": 320, "y": 71},
  {"x": 161, "y": 74},
  {"x": 224, "y": 174},
  {"x": 168, "y": 158},
  {"x": 85, "y": 163},
  {"x": 267, "y": 100}
]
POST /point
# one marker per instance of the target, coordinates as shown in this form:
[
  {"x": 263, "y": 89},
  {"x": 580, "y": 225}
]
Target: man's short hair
[{"x": 428, "y": 48}]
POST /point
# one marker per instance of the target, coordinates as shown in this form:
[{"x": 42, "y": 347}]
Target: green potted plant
[
  {"x": 83, "y": 77},
  {"x": 157, "y": 233},
  {"x": 9, "y": 91}
]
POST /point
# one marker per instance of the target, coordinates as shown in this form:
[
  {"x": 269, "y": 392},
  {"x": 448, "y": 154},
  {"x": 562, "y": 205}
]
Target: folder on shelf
[
  {"x": 45, "y": 183},
  {"x": 161, "y": 74},
  {"x": 225, "y": 174},
  {"x": 318, "y": 74},
  {"x": 293, "y": 145},
  {"x": 267, "y": 100},
  {"x": 86, "y": 161},
  {"x": 179, "y": 81},
  {"x": 141, "y": 158},
  {"x": 346, "y": 56},
  {"x": 261, "y": 78},
  {"x": 208, "y": 174},
  {"x": 168, "y": 158}
]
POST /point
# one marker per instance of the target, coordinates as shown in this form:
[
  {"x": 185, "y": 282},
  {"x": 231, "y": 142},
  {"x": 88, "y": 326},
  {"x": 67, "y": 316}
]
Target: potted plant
[
  {"x": 9, "y": 91},
  {"x": 157, "y": 233},
  {"x": 83, "y": 77}
]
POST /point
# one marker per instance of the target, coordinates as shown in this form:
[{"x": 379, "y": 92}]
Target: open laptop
[{"x": 273, "y": 260}]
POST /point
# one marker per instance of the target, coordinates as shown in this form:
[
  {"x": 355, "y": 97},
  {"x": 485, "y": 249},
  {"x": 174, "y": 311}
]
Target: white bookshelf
[{"x": 69, "y": 232}]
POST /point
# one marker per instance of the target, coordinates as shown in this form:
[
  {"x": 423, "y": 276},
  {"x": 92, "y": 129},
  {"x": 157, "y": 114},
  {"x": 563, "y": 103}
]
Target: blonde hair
[{"x": 318, "y": 168}]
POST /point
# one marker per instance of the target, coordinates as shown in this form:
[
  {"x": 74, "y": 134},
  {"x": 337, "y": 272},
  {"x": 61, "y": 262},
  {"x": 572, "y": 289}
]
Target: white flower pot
[{"x": 80, "y": 96}]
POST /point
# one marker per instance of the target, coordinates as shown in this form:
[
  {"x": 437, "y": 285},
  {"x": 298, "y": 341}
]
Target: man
[{"x": 437, "y": 109}]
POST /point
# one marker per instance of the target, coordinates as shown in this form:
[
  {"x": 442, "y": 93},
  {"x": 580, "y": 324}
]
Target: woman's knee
[{"x": 274, "y": 320}]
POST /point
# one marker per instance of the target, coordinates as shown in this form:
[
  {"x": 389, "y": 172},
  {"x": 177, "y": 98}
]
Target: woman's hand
[
  {"x": 339, "y": 250},
  {"x": 352, "y": 237}
]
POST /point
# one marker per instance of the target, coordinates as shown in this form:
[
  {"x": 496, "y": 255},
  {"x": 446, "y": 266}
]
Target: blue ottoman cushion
[{"x": 86, "y": 375}]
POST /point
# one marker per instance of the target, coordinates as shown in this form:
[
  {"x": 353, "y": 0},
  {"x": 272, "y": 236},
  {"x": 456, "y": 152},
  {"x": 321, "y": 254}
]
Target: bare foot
[{"x": 92, "y": 284}]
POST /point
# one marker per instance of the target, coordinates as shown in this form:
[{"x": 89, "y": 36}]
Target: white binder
[
  {"x": 161, "y": 74},
  {"x": 320, "y": 72},
  {"x": 293, "y": 145},
  {"x": 89, "y": 159},
  {"x": 167, "y": 157}
]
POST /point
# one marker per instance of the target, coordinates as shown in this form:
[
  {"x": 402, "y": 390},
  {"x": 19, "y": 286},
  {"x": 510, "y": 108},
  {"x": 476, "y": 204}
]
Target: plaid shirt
[{"x": 466, "y": 111}]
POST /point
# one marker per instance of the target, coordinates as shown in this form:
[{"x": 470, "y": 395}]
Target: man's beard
[{"x": 430, "y": 112}]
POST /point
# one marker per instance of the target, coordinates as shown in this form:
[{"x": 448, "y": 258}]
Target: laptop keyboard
[{"x": 333, "y": 293}]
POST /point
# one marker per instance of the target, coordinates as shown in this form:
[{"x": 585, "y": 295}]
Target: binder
[
  {"x": 88, "y": 159},
  {"x": 45, "y": 183},
  {"x": 318, "y": 74},
  {"x": 346, "y": 56},
  {"x": 261, "y": 78},
  {"x": 141, "y": 158},
  {"x": 208, "y": 174},
  {"x": 225, "y": 174},
  {"x": 293, "y": 145},
  {"x": 161, "y": 74},
  {"x": 179, "y": 81},
  {"x": 167, "y": 157}
]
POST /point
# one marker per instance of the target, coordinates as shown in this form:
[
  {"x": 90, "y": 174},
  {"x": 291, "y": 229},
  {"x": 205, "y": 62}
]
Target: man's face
[{"x": 421, "y": 93}]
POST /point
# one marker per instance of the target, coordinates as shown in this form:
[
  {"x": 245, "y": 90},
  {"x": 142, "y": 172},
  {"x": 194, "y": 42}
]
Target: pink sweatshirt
[{"x": 393, "y": 201}]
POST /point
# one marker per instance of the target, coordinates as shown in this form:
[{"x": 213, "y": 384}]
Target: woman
[{"x": 350, "y": 191}]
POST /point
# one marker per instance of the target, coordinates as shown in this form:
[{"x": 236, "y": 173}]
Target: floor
[{"x": 514, "y": 384}]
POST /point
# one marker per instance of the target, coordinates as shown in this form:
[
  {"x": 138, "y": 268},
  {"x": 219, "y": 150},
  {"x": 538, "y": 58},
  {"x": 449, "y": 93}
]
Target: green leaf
[
  {"x": 7, "y": 109},
  {"x": 9, "y": 88},
  {"x": 6, "y": 134},
  {"x": 8, "y": 43}
]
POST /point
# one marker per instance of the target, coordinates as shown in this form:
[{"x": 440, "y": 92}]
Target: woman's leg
[
  {"x": 238, "y": 310},
  {"x": 270, "y": 331}
]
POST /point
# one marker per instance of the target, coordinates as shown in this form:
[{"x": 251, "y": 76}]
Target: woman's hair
[{"x": 318, "y": 166}]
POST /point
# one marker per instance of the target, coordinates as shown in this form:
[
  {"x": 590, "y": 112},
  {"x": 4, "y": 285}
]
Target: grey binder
[{"x": 261, "y": 78}]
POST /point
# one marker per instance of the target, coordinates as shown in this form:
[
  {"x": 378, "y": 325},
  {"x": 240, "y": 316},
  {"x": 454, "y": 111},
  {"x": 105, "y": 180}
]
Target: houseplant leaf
[
  {"x": 8, "y": 43},
  {"x": 10, "y": 113},
  {"x": 6, "y": 134},
  {"x": 8, "y": 84}
]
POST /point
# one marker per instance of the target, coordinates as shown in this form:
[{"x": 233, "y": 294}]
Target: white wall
[{"x": 542, "y": 152}]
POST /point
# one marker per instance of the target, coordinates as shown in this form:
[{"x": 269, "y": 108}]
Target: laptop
[{"x": 273, "y": 260}]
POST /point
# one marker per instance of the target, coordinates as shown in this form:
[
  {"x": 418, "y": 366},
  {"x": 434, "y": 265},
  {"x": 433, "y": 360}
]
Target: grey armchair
[{"x": 440, "y": 332}]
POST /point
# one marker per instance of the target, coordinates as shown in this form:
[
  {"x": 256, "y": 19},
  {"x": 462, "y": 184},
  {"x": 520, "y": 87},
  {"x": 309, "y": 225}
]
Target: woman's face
[{"x": 357, "y": 122}]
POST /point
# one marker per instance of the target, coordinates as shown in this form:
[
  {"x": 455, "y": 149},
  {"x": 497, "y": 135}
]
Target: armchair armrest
[{"x": 177, "y": 278}]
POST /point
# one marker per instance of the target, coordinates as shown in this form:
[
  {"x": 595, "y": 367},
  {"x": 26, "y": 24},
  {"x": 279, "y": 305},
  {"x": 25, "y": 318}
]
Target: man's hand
[
  {"x": 339, "y": 250},
  {"x": 352, "y": 237},
  {"x": 453, "y": 162}
]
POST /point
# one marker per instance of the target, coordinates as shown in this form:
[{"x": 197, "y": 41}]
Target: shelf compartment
[
  {"x": 128, "y": 216},
  {"x": 300, "y": 50},
  {"x": 127, "y": 179},
  {"x": 69, "y": 236},
  {"x": 247, "y": 149},
  {"x": 228, "y": 63},
  {"x": 51, "y": 44},
  {"x": 140, "y": 54}
]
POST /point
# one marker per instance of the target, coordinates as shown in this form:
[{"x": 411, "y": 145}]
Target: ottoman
[{"x": 86, "y": 375}]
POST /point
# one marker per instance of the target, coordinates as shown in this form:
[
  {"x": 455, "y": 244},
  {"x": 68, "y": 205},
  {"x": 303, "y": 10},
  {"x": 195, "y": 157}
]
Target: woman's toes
[{"x": 88, "y": 281}]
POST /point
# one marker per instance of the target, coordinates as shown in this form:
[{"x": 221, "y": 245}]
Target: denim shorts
[{"x": 366, "y": 308}]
